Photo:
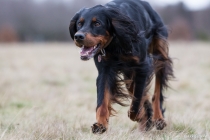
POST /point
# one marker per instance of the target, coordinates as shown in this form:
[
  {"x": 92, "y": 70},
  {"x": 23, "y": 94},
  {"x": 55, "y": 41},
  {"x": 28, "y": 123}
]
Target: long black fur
[{"x": 133, "y": 52}]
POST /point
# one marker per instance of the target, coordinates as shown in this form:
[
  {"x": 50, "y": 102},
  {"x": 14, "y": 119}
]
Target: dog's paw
[
  {"x": 98, "y": 128},
  {"x": 149, "y": 125},
  {"x": 160, "y": 124},
  {"x": 133, "y": 115},
  {"x": 145, "y": 124}
]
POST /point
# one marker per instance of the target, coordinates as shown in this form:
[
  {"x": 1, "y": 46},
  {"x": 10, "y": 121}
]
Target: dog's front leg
[{"x": 103, "y": 106}]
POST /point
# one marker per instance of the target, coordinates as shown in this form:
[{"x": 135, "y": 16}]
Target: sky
[{"x": 191, "y": 4}]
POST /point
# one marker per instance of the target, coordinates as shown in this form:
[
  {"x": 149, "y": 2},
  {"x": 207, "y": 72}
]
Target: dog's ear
[
  {"x": 124, "y": 28},
  {"x": 72, "y": 26}
]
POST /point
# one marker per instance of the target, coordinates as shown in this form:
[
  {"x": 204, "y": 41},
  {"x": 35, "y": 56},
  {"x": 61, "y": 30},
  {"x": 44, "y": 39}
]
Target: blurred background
[
  {"x": 48, "y": 20},
  {"x": 47, "y": 92}
]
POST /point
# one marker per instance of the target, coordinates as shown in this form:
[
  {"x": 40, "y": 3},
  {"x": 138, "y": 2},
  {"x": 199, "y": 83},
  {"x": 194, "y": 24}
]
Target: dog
[{"x": 128, "y": 41}]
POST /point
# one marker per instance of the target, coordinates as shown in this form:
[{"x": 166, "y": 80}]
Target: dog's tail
[{"x": 163, "y": 65}]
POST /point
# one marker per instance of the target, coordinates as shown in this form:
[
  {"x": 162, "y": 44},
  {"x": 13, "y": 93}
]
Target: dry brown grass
[{"x": 47, "y": 93}]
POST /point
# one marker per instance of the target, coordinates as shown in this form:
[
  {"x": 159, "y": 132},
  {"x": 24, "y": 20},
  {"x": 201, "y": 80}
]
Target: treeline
[
  {"x": 28, "y": 20},
  {"x": 185, "y": 24}
]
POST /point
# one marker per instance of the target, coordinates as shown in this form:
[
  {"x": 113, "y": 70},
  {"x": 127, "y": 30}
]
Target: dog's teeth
[
  {"x": 82, "y": 48},
  {"x": 95, "y": 46}
]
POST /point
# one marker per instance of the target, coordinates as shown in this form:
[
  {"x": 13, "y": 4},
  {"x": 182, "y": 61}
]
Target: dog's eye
[
  {"x": 97, "y": 24},
  {"x": 79, "y": 24}
]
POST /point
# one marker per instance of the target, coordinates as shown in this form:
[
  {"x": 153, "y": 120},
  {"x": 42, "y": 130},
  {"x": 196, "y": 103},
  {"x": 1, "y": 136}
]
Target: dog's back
[{"x": 138, "y": 11}]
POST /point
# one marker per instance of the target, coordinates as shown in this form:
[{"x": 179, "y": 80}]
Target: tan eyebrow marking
[
  {"x": 94, "y": 19},
  {"x": 81, "y": 19}
]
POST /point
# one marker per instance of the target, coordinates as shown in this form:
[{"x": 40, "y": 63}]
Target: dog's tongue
[{"x": 86, "y": 51}]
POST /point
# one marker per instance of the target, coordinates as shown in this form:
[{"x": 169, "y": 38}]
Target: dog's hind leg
[
  {"x": 163, "y": 73},
  {"x": 157, "y": 101}
]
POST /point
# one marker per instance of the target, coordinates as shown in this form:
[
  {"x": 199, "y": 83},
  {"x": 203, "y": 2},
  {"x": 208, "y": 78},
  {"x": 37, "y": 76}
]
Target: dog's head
[{"x": 92, "y": 29}]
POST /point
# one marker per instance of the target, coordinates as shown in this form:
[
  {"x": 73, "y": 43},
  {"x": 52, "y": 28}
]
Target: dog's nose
[{"x": 79, "y": 36}]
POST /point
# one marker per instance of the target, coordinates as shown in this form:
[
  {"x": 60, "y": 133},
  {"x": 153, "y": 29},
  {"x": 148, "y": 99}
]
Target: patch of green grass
[
  {"x": 91, "y": 90},
  {"x": 206, "y": 124},
  {"x": 11, "y": 128},
  {"x": 85, "y": 128},
  {"x": 87, "y": 78},
  {"x": 166, "y": 137},
  {"x": 80, "y": 104},
  {"x": 20, "y": 104},
  {"x": 183, "y": 128}
]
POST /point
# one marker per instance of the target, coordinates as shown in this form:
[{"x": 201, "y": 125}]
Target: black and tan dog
[{"x": 127, "y": 40}]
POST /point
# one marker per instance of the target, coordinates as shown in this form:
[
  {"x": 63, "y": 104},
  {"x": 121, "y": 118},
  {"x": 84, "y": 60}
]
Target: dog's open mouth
[{"x": 88, "y": 52}]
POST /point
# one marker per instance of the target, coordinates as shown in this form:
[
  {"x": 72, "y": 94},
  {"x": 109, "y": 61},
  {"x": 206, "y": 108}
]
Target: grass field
[{"x": 48, "y": 93}]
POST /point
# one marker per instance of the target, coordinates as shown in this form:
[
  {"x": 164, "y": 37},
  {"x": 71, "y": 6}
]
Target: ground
[{"x": 47, "y": 92}]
